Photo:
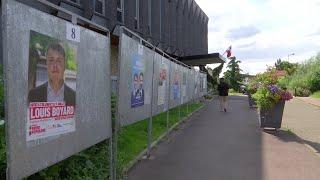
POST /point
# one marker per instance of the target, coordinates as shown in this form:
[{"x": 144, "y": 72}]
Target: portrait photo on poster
[
  {"x": 175, "y": 86},
  {"x": 162, "y": 85},
  {"x": 196, "y": 84},
  {"x": 137, "y": 84},
  {"x": 201, "y": 84},
  {"x": 52, "y": 73},
  {"x": 184, "y": 84}
]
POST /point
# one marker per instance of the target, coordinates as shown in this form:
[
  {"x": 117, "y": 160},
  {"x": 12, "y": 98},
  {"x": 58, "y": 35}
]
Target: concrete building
[{"x": 178, "y": 27}]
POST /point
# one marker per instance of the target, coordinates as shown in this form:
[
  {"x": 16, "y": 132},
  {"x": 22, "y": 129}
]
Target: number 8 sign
[{"x": 73, "y": 32}]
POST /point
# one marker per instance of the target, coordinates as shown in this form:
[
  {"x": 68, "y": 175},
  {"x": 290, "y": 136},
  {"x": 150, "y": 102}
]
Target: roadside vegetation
[
  {"x": 302, "y": 79},
  {"x": 316, "y": 94}
]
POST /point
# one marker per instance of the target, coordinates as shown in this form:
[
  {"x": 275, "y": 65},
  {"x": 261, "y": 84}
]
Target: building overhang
[{"x": 202, "y": 60}]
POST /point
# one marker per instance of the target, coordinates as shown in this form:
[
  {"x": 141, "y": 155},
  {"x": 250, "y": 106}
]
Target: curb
[
  {"x": 158, "y": 140},
  {"x": 300, "y": 140},
  {"x": 308, "y": 102}
]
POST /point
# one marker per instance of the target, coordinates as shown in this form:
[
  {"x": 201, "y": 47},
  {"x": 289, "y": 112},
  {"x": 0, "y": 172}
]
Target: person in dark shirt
[{"x": 223, "y": 89}]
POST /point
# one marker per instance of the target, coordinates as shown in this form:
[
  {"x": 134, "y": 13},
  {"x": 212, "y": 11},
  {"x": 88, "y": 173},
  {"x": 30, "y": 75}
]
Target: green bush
[
  {"x": 306, "y": 79},
  {"x": 3, "y": 161},
  {"x": 1, "y": 93},
  {"x": 302, "y": 92},
  {"x": 283, "y": 82},
  {"x": 232, "y": 91},
  {"x": 316, "y": 94},
  {"x": 264, "y": 98}
]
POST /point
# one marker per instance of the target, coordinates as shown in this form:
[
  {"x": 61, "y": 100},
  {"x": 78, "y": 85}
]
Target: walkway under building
[{"x": 226, "y": 146}]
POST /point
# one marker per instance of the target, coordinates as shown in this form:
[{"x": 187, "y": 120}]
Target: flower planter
[
  {"x": 272, "y": 118},
  {"x": 252, "y": 102}
]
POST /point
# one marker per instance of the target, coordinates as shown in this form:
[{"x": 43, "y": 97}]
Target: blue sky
[{"x": 261, "y": 31}]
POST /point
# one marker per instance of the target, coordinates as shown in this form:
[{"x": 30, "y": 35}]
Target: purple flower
[
  {"x": 286, "y": 96},
  {"x": 274, "y": 89}
]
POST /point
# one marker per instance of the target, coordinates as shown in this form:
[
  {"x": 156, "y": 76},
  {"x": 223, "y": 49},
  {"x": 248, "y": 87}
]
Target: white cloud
[
  {"x": 242, "y": 32},
  {"x": 276, "y": 29}
]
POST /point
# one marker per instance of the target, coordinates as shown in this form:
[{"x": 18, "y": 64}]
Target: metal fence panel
[
  {"x": 135, "y": 85},
  {"x": 191, "y": 84},
  {"x": 184, "y": 84},
  {"x": 197, "y": 84},
  {"x": 200, "y": 84},
  {"x": 92, "y": 112},
  {"x": 175, "y": 85},
  {"x": 202, "y": 81},
  {"x": 160, "y": 84},
  {"x": 205, "y": 81}
]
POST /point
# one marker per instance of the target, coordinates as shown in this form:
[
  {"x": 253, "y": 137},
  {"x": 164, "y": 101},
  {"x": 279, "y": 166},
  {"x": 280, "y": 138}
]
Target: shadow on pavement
[{"x": 288, "y": 136}]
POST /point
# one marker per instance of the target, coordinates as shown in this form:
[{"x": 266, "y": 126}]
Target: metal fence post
[
  {"x": 187, "y": 107},
  {"x": 187, "y": 90},
  {"x": 168, "y": 99},
  {"x": 151, "y": 112},
  {"x": 180, "y": 97},
  {"x": 117, "y": 114},
  {"x": 110, "y": 158},
  {"x": 110, "y": 143}
]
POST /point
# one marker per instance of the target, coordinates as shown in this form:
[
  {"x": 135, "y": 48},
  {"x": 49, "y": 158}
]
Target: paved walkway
[
  {"x": 310, "y": 100},
  {"x": 304, "y": 120},
  {"x": 226, "y": 146}
]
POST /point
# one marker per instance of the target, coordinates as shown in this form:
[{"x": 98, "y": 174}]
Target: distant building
[{"x": 247, "y": 78}]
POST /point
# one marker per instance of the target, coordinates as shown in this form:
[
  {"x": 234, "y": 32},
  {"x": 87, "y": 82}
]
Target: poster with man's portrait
[
  {"x": 52, "y": 76},
  {"x": 175, "y": 86},
  {"x": 137, "y": 87},
  {"x": 201, "y": 83},
  {"x": 204, "y": 83},
  {"x": 196, "y": 84},
  {"x": 184, "y": 84},
  {"x": 162, "y": 86}
]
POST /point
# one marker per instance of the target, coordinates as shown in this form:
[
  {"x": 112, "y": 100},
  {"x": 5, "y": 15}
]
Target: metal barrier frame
[
  {"x": 74, "y": 20},
  {"x": 124, "y": 30}
]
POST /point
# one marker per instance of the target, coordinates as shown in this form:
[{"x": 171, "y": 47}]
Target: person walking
[{"x": 223, "y": 89}]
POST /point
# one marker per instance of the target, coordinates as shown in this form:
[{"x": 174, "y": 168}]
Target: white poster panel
[
  {"x": 175, "y": 85},
  {"x": 57, "y": 90},
  {"x": 162, "y": 84},
  {"x": 52, "y": 77},
  {"x": 135, "y": 84},
  {"x": 184, "y": 84}
]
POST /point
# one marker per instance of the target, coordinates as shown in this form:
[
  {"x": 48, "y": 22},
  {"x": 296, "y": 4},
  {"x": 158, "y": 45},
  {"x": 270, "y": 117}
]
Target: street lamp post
[{"x": 292, "y": 54}]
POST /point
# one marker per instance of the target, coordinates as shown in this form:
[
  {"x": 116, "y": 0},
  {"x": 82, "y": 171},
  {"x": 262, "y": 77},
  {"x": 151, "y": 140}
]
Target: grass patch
[
  {"x": 133, "y": 138},
  {"x": 316, "y": 94},
  {"x": 289, "y": 131},
  {"x": 93, "y": 163}
]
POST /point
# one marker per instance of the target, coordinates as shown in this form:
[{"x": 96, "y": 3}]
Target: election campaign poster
[
  {"x": 52, "y": 75},
  {"x": 196, "y": 80},
  {"x": 201, "y": 83},
  {"x": 184, "y": 84},
  {"x": 175, "y": 86},
  {"x": 137, "y": 86},
  {"x": 162, "y": 86},
  {"x": 204, "y": 82}
]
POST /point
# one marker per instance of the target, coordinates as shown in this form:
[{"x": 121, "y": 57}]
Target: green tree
[
  {"x": 233, "y": 74},
  {"x": 290, "y": 68},
  {"x": 216, "y": 73}
]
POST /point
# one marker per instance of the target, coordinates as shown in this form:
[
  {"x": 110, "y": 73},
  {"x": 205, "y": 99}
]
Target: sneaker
[{"x": 225, "y": 110}]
